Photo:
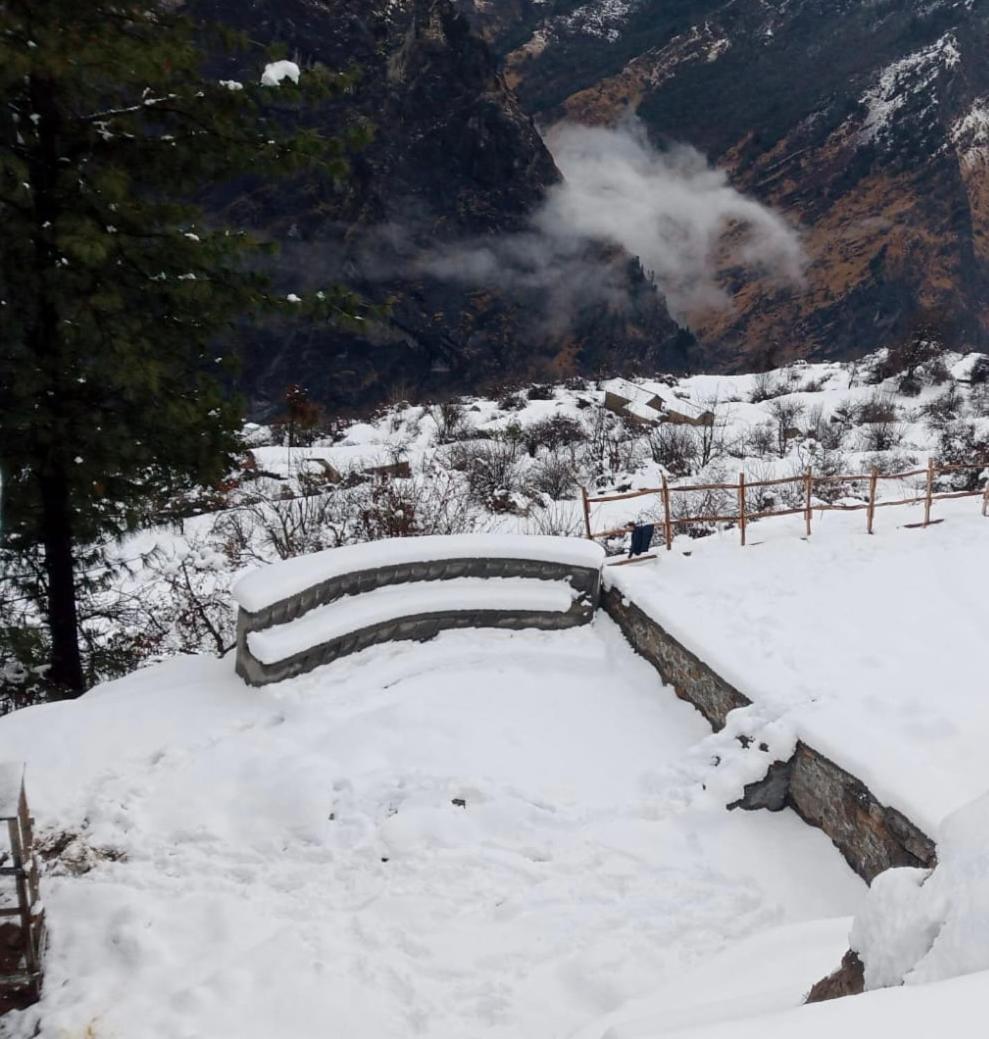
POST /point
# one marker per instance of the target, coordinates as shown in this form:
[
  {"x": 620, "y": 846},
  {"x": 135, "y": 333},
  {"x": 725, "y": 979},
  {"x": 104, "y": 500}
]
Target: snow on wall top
[
  {"x": 406, "y": 600},
  {"x": 870, "y": 647},
  {"x": 268, "y": 585}
]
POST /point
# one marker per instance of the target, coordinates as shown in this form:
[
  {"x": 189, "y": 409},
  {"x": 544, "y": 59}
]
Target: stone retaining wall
[
  {"x": 871, "y": 836},
  {"x": 584, "y": 581}
]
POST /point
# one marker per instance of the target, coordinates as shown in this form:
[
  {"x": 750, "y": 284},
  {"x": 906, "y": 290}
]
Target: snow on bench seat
[
  {"x": 345, "y": 616},
  {"x": 272, "y": 584}
]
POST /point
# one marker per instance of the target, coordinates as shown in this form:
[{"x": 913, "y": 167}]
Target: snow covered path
[{"x": 494, "y": 834}]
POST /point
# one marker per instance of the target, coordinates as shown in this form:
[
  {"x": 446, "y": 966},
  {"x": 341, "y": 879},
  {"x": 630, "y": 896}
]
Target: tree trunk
[{"x": 65, "y": 676}]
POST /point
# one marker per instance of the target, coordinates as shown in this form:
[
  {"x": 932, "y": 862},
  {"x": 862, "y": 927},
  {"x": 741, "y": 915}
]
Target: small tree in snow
[{"x": 113, "y": 293}]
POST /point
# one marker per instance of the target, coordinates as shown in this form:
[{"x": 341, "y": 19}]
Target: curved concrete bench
[{"x": 304, "y": 612}]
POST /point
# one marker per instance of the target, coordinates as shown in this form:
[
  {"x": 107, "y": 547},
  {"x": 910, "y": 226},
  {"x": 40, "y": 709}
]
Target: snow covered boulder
[
  {"x": 277, "y": 71},
  {"x": 922, "y": 926}
]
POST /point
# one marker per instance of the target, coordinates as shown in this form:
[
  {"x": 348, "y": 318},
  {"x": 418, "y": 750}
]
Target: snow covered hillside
[
  {"x": 516, "y": 465},
  {"x": 505, "y": 835},
  {"x": 499, "y": 835}
]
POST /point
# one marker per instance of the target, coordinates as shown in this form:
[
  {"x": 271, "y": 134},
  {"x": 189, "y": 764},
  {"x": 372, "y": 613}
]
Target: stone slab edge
[{"x": 419, "y": 628}]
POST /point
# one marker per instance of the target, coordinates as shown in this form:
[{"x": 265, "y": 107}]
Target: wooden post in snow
[
  {"x": 741, "y": 506},
  {"x": 930, "y": 492},
  {"x": 587, "y": 513},
  {"x": 985, "y": 501},
  {"x": 809, "y": 489},
  {"x": 667, "y": 517},
  {"x": 873, "y": 484}
]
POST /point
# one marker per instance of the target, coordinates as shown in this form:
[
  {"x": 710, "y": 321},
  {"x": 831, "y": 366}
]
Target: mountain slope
[
  {"x": 868, "y": 123},
  {"x": 453, "y": 158}
]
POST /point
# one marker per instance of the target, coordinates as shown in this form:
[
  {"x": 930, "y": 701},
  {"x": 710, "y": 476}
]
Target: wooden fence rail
[{"x": 807, "y": 483}]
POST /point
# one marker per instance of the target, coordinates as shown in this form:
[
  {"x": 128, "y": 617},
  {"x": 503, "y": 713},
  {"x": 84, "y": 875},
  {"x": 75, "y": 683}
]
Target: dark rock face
[
  {"x": 454, "y": 158},
  {"x": 866, "y": 123},
  {"x": 847, "y": 980}
]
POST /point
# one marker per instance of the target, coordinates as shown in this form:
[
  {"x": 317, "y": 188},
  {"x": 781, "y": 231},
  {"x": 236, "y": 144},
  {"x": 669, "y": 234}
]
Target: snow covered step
[
  {"x": 307, "y": 611},
  {"x": 270, "y": 585},
  {"x": 304, "y": 612},
  {"x": 510, "y": 595}
]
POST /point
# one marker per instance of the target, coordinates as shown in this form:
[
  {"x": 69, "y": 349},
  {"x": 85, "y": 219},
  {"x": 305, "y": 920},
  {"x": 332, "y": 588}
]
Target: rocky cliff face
[
  {"x": 454, "y": 158},
  {"x": 866, "y": 123}
]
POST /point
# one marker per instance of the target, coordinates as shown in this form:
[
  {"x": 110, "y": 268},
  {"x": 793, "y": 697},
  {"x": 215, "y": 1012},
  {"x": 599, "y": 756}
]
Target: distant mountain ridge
[
  {"x": 868, "y": 123},
  {"x": 454, "y": 157}
]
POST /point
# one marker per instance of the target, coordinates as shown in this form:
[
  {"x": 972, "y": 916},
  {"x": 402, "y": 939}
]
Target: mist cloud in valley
[{"x": 670, "y": 208}]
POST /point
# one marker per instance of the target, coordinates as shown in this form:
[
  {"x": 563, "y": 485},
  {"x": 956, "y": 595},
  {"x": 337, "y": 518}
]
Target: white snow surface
[
  {"x": 277, "y": 71},
  {"x": 955, "y": 1008},
  {"x": 350, "y": 614},
  {"x": 271, "y": 584},
  {"x": 869, "y": 648},
  {"x": 921, "y": 926},
  {"x": 290, "y": 861}
]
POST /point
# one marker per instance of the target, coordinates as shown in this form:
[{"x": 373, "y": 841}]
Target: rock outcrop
[
  {"x": 868, "y": 124},
  {"x": 454, "y": 159}
]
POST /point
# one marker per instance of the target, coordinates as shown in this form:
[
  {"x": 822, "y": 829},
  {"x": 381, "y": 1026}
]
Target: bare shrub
[
  {"x": 786, "y": 414},
  {"x": 553, "y": 432},
  {"x": 611, "y": 447},
  {"x": 674, "y": 448},
  {"x": 766, "y": 386},
  {"x": 687, "y": 504},
  {"x": 944, "y": 408},
  {"x": 555, "y": 476},
  {"x": 881, "y": 436},
  {"x": 761, "y": 440},
  {"x": 452, "y": 421},
  {"x": 889, "y": 463},
  {"x": 978, "y": 400},
  {"x": 880, "y": 407},
  {"x": 512, "y": 402},
  {"x": 558, "y": 519},
  {"x": 831, "y": 435},
  {"x": 816, "y": 425},
  {"x": 769, "y": 499},
  {"x": 490, "y": 467},
  {"x": 961, "y": 443},
  {"x": 814, "y": 385}
]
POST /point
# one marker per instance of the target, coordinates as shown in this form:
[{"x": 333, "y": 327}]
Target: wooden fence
[{"x": 806, "y": 484}]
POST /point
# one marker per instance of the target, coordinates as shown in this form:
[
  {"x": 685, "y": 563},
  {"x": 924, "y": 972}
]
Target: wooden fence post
[
  {"x": 809, "y": 496},
  {"x": 587, "y": 513},
  {"x": 741, "y": 506},
  {"x": 667, "y": 518},
  {"x": 985, "y": 501},
  {"x": 930, "y": 492},
  {"x": 873, "y": 484}
]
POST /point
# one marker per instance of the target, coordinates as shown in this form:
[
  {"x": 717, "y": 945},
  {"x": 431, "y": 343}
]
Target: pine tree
[{"x": 114, "y": 292}]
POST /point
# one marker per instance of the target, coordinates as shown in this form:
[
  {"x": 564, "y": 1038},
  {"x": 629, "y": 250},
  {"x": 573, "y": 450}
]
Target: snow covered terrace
[
  {"x": 511, "y": 834},
  {"x": 870, "y": 648}
]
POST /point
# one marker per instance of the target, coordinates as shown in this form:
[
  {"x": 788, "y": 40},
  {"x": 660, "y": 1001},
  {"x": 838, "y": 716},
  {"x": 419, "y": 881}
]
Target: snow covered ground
[
  {"x": 872, "y": 649},
  {"x": 494, "y": 834}
]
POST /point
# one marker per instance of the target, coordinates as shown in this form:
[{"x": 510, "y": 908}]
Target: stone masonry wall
[
  {"x": 871, "y": 836},
  {"x": 584, "y": 581}
]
